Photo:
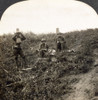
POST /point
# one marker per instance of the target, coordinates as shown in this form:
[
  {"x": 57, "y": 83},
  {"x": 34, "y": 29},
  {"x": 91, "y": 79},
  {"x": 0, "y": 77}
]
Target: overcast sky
[{"x": 43, "y": 16}]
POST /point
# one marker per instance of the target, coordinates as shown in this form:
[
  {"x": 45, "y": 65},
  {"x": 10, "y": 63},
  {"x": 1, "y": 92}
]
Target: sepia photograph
[{"x": 48, "y": 49}]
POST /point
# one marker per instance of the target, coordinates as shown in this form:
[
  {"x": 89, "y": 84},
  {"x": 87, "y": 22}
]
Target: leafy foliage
[{"x": 46, "y": 80}]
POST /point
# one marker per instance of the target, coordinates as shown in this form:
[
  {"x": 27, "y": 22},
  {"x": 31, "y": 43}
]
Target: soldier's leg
[
  {"x": 23, "y": 56},
  {"x": 15, "y": 52},
  {"x": 59, "y": 47},
  {"x": 62, "y": 46},
  {"x": 42, "y": 53},
  {"x": 16, "y": 59}
]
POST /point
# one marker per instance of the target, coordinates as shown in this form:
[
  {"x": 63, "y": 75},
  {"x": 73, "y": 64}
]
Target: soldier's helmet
[
  {"x": 59, "y": 34},
  {"x": 17, "y": 31},
  {"x": 43, "y": 40}
]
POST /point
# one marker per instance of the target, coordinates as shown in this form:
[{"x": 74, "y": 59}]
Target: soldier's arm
[
  {"x": 62, "y": 38},
  {"x": 40, "y": 47},
  {"x": 14, "y": 38},
  {"x": 55, "y": 40},
  {"x": 47, "y": 47},
  {"x": 23, "y": 37}
]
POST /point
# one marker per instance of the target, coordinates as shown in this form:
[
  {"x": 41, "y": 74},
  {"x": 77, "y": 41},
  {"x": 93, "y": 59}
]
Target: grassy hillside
[{"x": 48, "y": 80}]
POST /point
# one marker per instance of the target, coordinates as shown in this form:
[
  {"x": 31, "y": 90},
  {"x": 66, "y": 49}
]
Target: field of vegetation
[{"x": 72, "y": 77}]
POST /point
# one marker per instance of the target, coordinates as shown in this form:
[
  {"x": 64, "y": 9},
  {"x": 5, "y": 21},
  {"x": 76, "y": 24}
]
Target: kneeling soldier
[{"x": 43, "y": 48}]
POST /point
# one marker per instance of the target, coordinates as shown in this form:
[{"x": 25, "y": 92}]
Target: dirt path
[{"x": 84, "y": 89}]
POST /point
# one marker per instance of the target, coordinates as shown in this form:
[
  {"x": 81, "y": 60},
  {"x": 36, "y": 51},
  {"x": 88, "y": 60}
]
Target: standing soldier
[
  {"x": 43, "y": 48},
  {"x": 18, "y": 38},
  {"x": 60, "y": 42}
]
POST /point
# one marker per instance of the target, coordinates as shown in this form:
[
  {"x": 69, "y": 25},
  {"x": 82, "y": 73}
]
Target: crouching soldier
[
  {"x": 18, "y": 38},
  {"x": 43, "y": 48}
]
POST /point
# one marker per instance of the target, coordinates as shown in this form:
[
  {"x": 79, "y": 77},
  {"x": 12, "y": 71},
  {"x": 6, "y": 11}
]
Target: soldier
[
  {"x": 43, "y": 48},
  {"x": 18, "y": 38},
  {"x": 60, "y": 42}
]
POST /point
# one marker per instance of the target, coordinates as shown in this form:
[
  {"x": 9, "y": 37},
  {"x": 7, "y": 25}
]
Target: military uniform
[
  {"x": 18, "y": 38},
  {"x": 43, "y": 48},
  {"x": 17, "y": 50},
  {"x": 60, "y": 43}
]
